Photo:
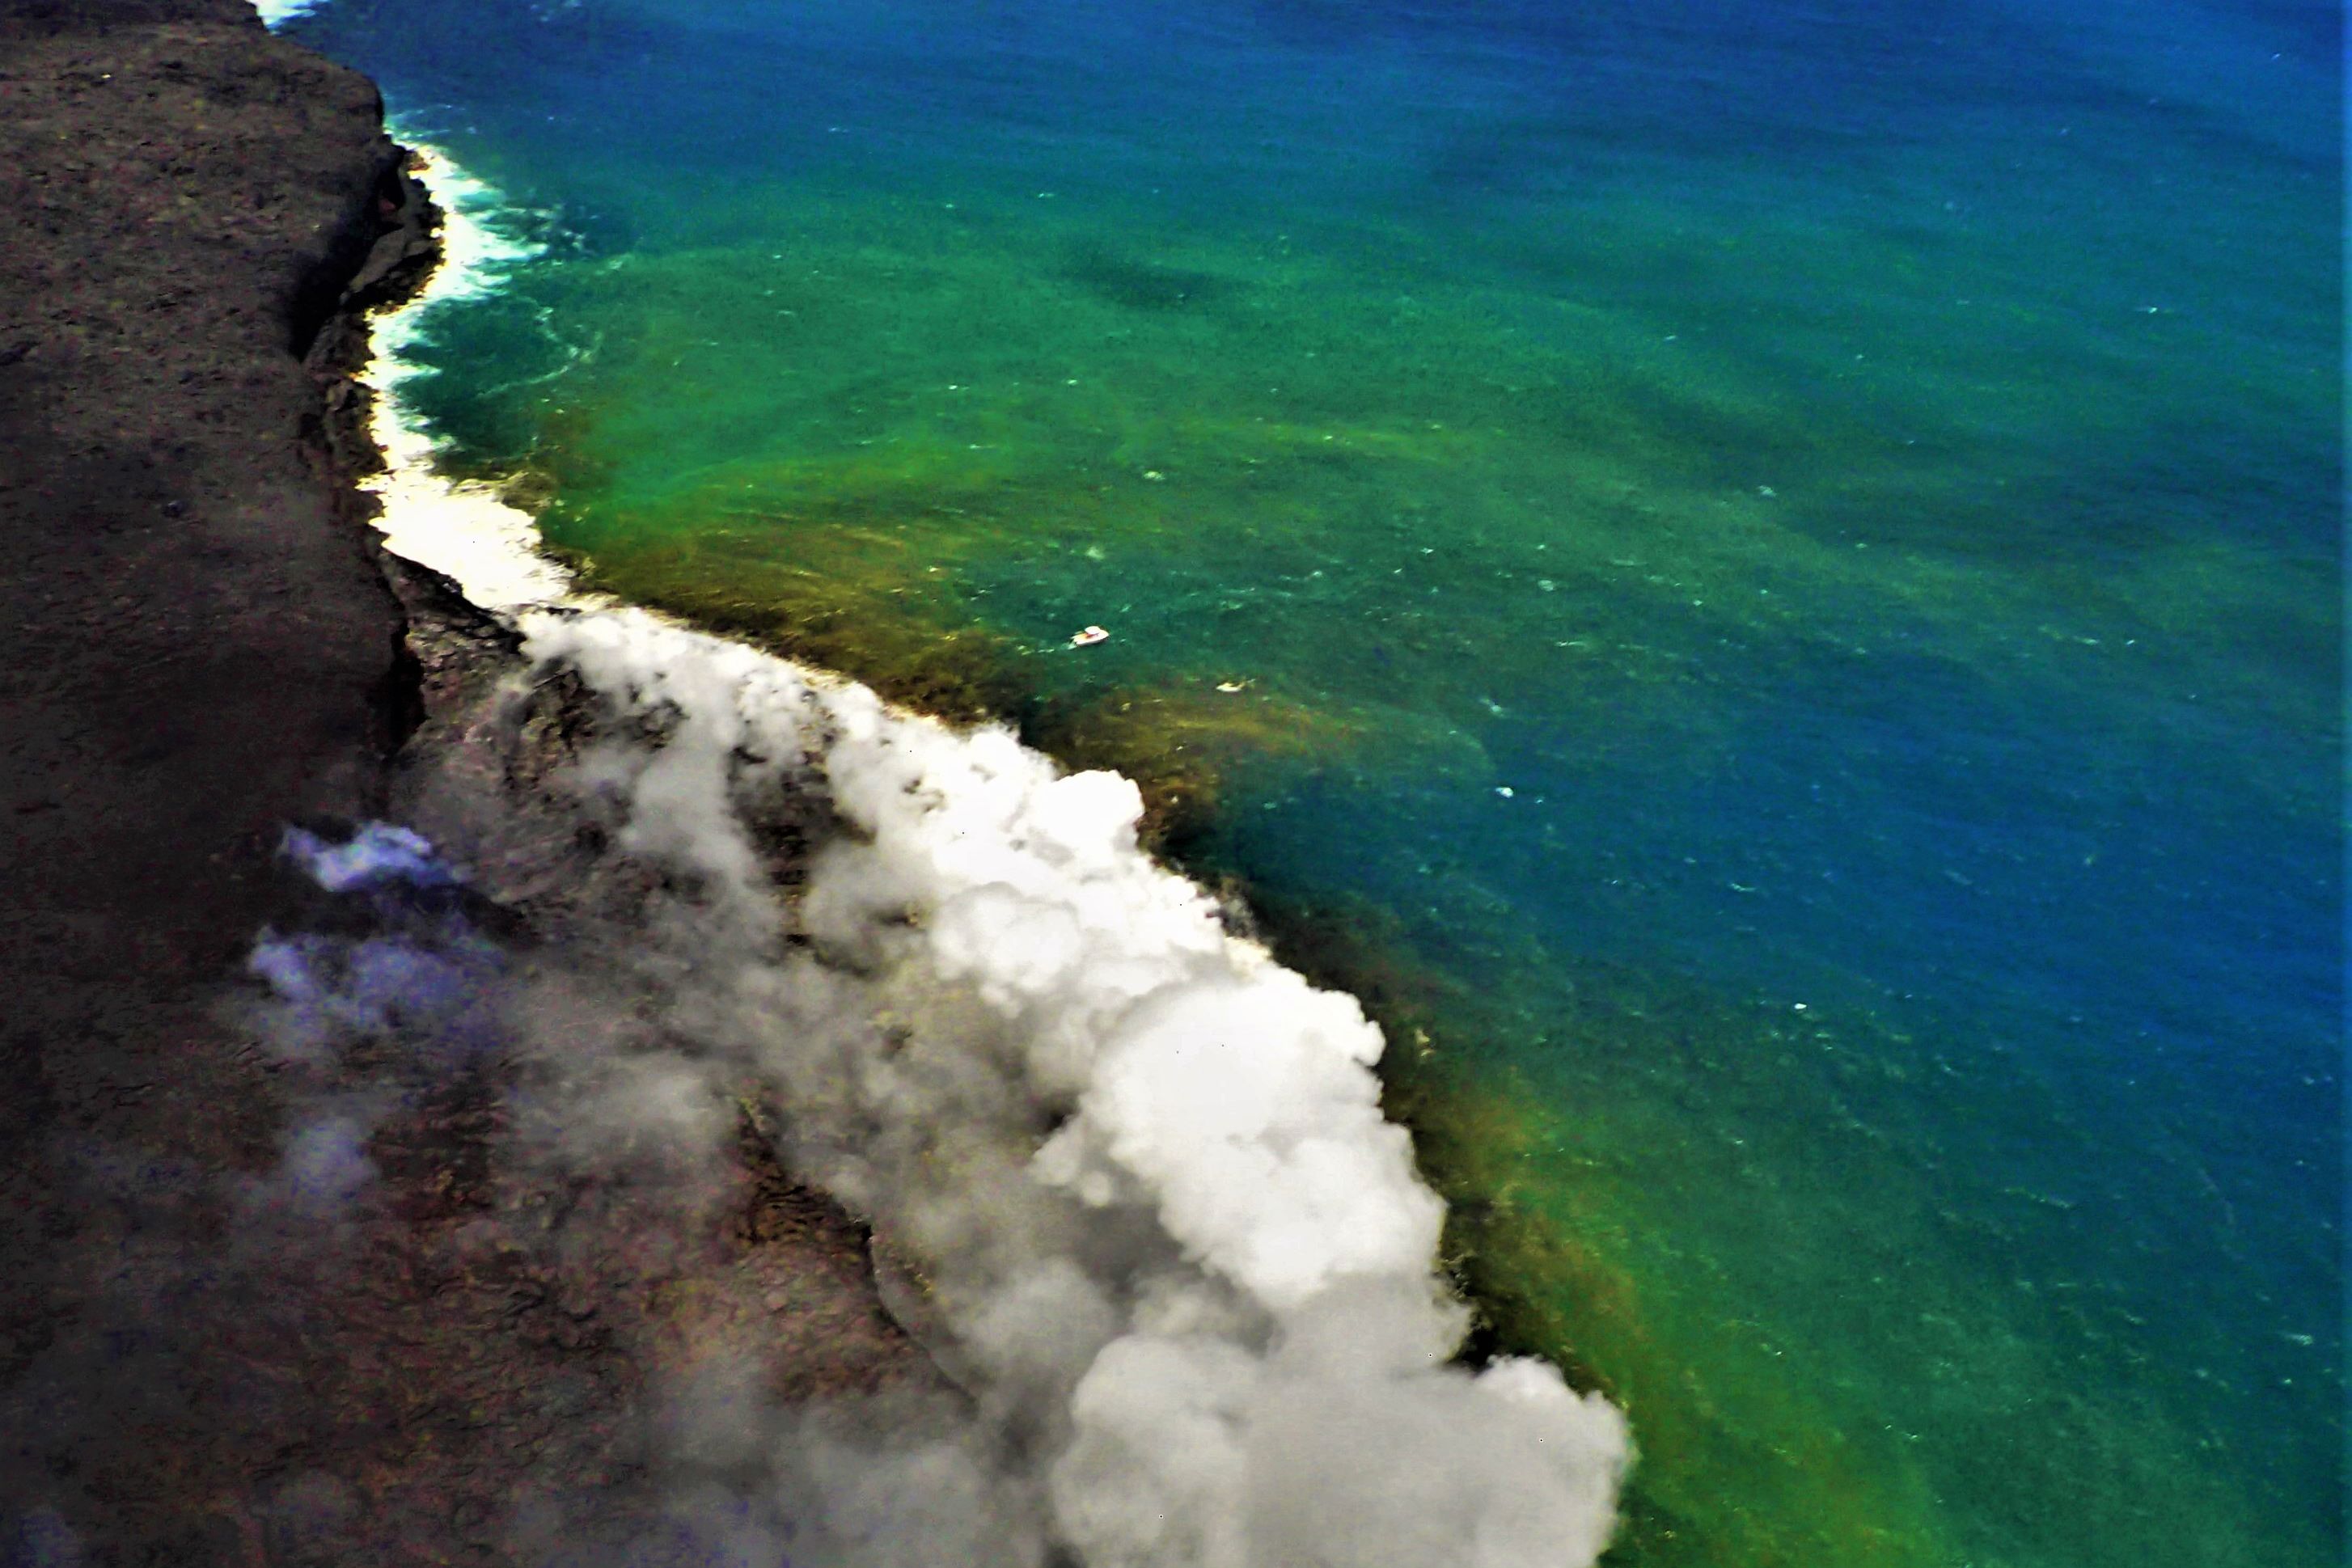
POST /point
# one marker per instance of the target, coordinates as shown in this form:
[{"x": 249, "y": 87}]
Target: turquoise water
[{"x": 1778, "y": 574}]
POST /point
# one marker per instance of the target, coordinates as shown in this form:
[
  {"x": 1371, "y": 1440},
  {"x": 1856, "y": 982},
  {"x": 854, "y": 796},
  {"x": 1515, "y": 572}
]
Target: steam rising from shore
[
  {"x": 1132, "y": 1175},
  {"x": 278, "y": 13}
]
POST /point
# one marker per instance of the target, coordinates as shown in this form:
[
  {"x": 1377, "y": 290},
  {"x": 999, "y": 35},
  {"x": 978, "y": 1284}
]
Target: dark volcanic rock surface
[
  {"x": 195, "y": 647},
  {"x": 194, "y": 642},
  {"x": 198, "y": 645}
]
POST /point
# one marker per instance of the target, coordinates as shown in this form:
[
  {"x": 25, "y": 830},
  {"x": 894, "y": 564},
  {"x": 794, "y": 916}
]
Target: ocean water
[{"x": 1763, "y": 581}]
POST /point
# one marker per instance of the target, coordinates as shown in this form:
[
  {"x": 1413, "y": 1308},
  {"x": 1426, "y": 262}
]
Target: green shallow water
[{"x": 1794, "y": 669}]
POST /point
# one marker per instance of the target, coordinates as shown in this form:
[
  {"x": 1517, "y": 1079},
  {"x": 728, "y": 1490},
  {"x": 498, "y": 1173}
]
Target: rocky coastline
[{"x": 200, "y": 644}]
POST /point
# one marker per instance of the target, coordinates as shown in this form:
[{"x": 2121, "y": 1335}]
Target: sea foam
[{"x": 1175, "y": 1253}]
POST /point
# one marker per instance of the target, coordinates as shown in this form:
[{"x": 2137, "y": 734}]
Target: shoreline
[
  {"x": 714, "y": 936},
  {"x": 212, "y": 1348},
  {"x": 853, "y": 341},
  {"x": 978, "y": 830}
]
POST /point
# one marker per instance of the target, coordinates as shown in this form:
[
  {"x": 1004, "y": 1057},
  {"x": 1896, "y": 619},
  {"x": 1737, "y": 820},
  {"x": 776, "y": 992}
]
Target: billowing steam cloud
[{"x": 1131, "y": 1176}]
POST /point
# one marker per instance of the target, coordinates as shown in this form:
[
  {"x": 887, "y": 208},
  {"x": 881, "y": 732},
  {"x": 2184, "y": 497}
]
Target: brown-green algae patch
[
  {"x": 1181, "y": 742},
  {"x": 872, "y": 586},
  {"x": 835, "y": 606}
]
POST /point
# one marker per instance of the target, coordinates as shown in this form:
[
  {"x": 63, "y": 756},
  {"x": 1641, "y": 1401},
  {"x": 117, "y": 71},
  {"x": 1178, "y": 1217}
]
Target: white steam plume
[
  {"x": 275, "y": 13},
  {"x": 1150, "y": 1210}
]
